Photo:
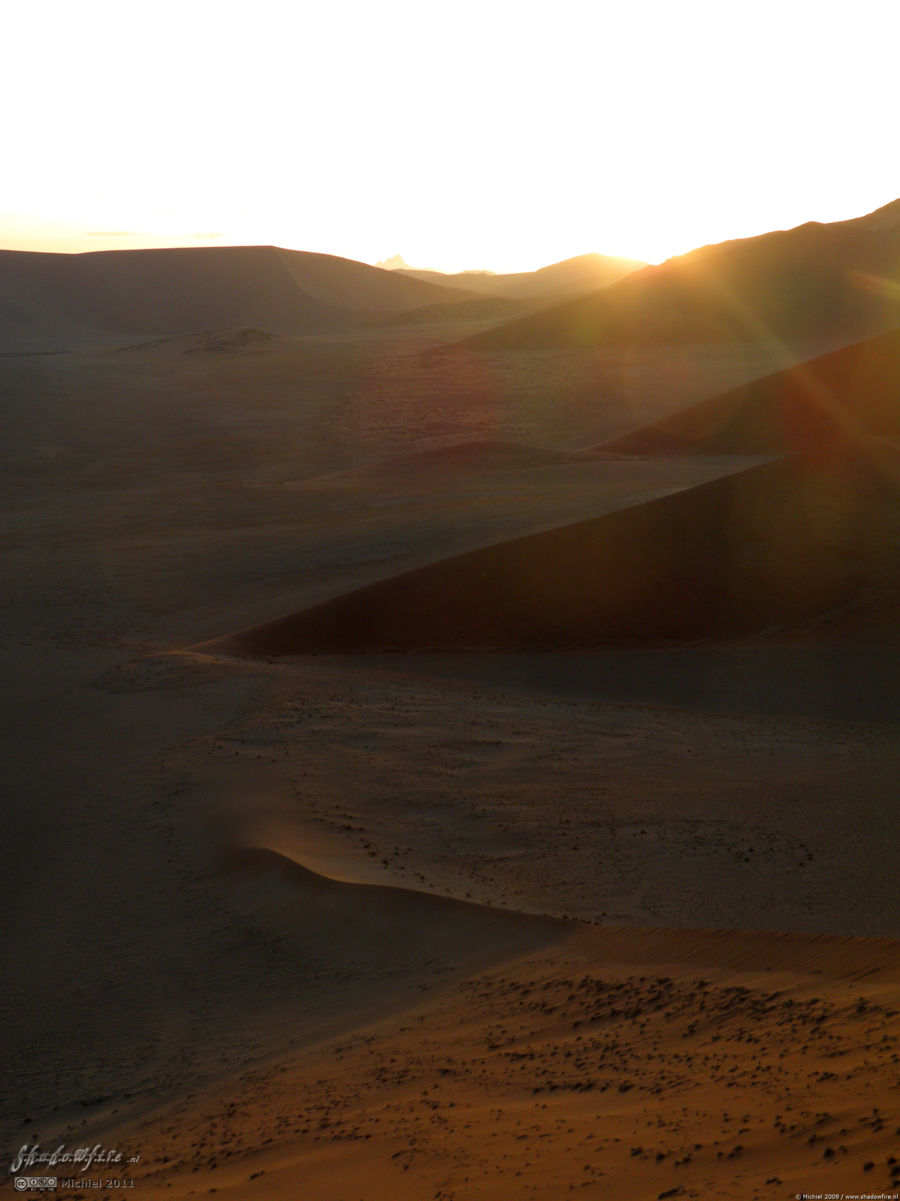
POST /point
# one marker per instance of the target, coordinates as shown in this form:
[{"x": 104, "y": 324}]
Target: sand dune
[
  {"x": 362, "y": 914},
  {"x": 837, "y": 280},
  {"x": 584, "y": 273},
  {"x": 180, "y": 291},
  {"x": 357, "y": 287},
  {"x": 851, "y": 392},
  {"x": 779, "y": 544}
]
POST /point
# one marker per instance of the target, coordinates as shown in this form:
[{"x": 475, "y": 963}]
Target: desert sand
[
  {"x": 619, "y": 922},
  {"x": 618, "y": 1064}
]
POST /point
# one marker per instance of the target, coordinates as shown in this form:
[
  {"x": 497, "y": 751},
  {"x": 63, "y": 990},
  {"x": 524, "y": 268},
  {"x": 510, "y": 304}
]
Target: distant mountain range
[{"x": 840, "y": 280}]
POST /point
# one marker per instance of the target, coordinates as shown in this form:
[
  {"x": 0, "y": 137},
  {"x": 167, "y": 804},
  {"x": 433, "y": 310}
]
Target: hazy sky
[{"x": 477, "y": 134}]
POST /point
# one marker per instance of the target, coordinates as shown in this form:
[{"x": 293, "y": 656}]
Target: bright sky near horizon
[{"x": 484, "y": 134}]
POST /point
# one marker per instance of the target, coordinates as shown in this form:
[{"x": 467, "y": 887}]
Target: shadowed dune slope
[
  {"x": 355, "y": 286},
  {"x": 178, "y": 291},
  {"x": 851, "y": 392},
  {"x": 817, "y": 281},
  {"x": 783, "y": 543}
]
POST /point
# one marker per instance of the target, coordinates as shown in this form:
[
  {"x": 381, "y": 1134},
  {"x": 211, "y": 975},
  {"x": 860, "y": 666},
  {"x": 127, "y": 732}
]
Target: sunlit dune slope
[
  {"x": 853, "y": 391},
  {"x": 180, "y": 291},
  {"x": 840, "y": 280},
  {"x": 783, "y": 543}
]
